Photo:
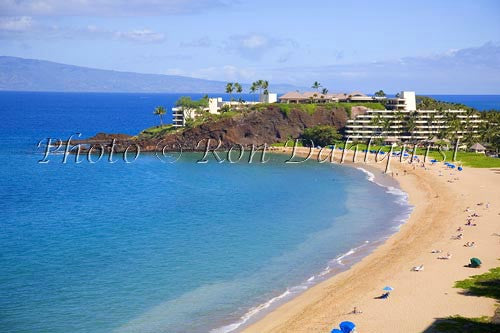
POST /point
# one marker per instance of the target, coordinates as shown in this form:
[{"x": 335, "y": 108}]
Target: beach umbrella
[
  {"x": 347, "y": 326},
  {"x": 474, "y": 262},
  {"x": 387, "y": 288},
  {"x": 433, "y": 161},
  {"x": 460, "y": 168},
  {"x": 336, "y": 330}
]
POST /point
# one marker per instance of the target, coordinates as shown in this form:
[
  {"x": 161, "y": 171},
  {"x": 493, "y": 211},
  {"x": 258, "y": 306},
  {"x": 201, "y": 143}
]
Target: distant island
[{"x": 19, "y": 74}]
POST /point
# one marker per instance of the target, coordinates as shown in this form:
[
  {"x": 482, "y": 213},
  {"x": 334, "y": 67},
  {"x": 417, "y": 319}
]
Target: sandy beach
[{"x": 440, "y": 197}]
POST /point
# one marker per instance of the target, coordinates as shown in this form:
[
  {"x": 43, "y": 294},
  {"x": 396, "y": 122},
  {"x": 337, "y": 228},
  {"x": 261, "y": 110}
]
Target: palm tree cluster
[
  {"x": 233, "y": 87},
  {"x": 261, "y": 86},
  {"x": 489, "y": 129}
]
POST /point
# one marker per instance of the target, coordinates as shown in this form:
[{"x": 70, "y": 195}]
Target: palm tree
[
  {"x": 454, "y": 124},
  {"x": 265, "y": 86},
  {"x": 253, "y": 88},
  {"x": 376, "y": 121},
  {"x": 380, "y": 93},
  {"x": 238, "y": 89},
  {"x": 324, "y": 91},
  {"x": 410, "y": 127},
  {"x": 229, "y": 90},
  {"x": 160, "y": 111},
  {"x": 386, "y": 125},
  {"x": 316, "y": 85},
  {"x": 430, "y": 123}
]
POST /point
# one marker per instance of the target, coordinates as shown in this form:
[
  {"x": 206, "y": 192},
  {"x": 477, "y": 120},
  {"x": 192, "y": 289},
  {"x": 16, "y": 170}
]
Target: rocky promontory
[{"x": 250, "y": 127}]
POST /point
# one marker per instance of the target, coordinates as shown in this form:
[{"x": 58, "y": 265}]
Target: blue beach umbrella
[
  {"x": 460, "y": 168},
  {"x": 336, "y": 330},
  {"x": 387, "y": 288},
  {"x": 347, "y": 326}
]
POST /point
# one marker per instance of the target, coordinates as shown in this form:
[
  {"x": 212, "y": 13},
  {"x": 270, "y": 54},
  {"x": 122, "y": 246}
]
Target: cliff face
[
  {"x": 255, "y": 127},
  {"x": 249, "y": 128}
]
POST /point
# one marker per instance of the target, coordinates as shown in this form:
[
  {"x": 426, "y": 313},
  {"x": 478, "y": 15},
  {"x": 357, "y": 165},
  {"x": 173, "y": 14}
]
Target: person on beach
[
  {"x": 446, "y": 257},
  {"x": 356, "y": 311}
]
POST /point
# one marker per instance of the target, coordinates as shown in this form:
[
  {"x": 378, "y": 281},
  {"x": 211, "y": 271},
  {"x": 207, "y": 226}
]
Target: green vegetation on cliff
[
  {"x": 157, "y": 131},
  {"x": 311, "y": 108},
  {"x": 429, "y": 103},
  {"x": 322, "y": 135}
]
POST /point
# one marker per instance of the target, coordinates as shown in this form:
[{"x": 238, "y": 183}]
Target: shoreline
[
  {"x": 336, "y": 265},
  {"x": 434, "y": 198}
]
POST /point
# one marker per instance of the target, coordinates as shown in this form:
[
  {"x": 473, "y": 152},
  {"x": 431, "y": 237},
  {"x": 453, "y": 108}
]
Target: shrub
[{"x": 321, "y": 135}]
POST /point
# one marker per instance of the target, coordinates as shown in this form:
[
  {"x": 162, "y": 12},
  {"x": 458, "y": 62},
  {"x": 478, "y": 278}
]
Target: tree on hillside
[
  {"x": 160, "y": 111},
  {"x": 265, "y": 86},
  {"x": 253, "y": 88},
  {"x": 191, "y": 108},
  {"x": 261, "y": 85},
  {"x": 238, "y": 88},
  {"x": 322, "y": 135},
  {"x": 229, "y": 90}
]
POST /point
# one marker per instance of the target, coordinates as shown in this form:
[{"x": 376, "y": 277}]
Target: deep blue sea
[{"x": 158, "y": 247}]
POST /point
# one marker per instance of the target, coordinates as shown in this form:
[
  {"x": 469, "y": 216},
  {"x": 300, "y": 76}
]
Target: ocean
[{"x": 165, "y": 247}]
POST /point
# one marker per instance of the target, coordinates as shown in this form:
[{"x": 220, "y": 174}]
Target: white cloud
[
  {"x": 473, "y": 70},
  {"x": 254, "y": 41},
  {"x": 144, "y": 35},
  {"x": 255, "y": 46},
  {"x": 224, "y": 73},
  {"x": 25, "y": 27},
  {"x": 107, "y": 7},
  {"x": 16, "y": 24}
]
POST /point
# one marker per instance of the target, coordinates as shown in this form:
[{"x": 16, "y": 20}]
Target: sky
[{"x": 427, "y": 46}]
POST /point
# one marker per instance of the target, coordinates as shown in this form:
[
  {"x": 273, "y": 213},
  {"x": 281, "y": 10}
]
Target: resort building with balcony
[{"x": 403, "y": 122}]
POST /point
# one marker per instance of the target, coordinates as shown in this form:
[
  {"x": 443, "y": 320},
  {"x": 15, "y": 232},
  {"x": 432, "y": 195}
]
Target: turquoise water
[{"x": 157, "y": 247}]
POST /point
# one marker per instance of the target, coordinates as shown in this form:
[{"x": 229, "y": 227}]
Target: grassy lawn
[
  {"x": 487, "y": 285},
  {"x": 156, "y": 131},
  {"x": 466, "y": 159}
]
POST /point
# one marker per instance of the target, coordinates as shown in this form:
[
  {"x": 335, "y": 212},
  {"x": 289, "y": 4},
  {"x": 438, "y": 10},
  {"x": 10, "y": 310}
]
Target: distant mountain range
[{"x": 19, "y": 74}]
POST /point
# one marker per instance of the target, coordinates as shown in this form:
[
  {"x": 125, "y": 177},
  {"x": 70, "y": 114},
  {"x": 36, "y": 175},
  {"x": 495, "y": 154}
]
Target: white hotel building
[
  {"x": 180, "y": 115},
  {"x": 390, "y": 124}
]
